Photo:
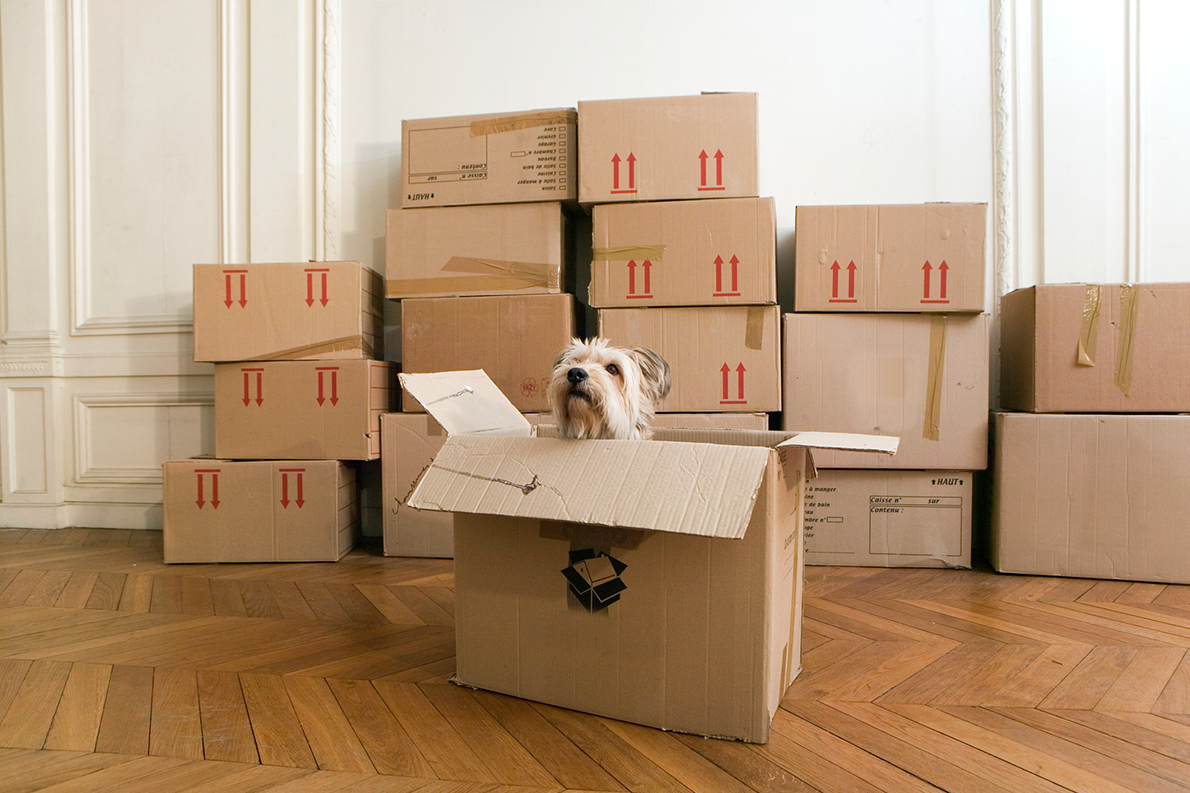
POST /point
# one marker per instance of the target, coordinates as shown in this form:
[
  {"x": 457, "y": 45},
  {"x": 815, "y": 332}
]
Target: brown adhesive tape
[
  {"x": 313, "y": 350},
  {"x": 628, "y": 252},
  {"x": 488, "y": 275},
  {"x": 1126, "y": 337},
  {"x": 1088, "y": 334},
  {"x": 931, "y": 426},
  {"x": 754, "y": 332},
  {"x": 492, "y": 126}
]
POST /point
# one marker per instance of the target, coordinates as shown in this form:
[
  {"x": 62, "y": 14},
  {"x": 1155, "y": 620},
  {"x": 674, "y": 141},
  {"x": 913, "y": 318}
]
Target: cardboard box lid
[
  {"x": 705, "y": 489},
  {"x": 466, "y": 402}
]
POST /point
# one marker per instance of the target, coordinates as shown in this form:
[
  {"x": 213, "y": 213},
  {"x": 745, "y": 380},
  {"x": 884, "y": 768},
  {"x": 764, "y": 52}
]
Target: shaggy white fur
[{"x": 601, "y": 391}]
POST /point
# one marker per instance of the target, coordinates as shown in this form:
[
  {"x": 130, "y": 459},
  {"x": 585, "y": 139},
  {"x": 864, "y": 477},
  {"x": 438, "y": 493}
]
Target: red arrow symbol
[
  {"x": 227, "y": 274},
  {"x": 227, "y": 280},
  {"x": 851, "y": 279},
  {"x": 735, "y": 267},
  {"x": 726, "y": 371},
  {"x": 214, "y": 472},
  {"x": 616, "y": 172},
  {"x": 298, "y": 474},
  {"x": 632, "y": 277},
  {"x": 740, "y": 371},
  {"x": 718, "y": 275},
  {"x": 300, "y": 499},
  {"x": 284, "y": 490},
  {"x": 702, "y": 167},
  {"x": 926, "y": 288},
  {"x": 200, "y": 501},
  {"x": 334, "y": 370},
  {"x": 647, "y": 265},
  {"x": 942, "y": 268},
  {"x": 309, "y": 287},
  {"x": 835, "y": 280},
  {"x": 631, "y": 171},
  {"x": 259, "y": 386},
  {"x": 718, "y": 168}
]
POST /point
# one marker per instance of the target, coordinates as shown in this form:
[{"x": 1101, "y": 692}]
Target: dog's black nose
[{"x": 576, "y": 375}]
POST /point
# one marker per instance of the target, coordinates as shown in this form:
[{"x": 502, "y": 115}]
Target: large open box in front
[{"x": 657, "y": 582}]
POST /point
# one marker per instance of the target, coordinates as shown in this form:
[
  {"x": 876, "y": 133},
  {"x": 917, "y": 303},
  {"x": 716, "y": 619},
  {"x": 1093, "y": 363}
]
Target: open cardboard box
[{"x": 657, "y": 582}]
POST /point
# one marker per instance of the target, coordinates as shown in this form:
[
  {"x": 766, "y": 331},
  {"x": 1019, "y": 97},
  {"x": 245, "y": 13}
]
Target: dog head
[{"x": 601, "y": 391}]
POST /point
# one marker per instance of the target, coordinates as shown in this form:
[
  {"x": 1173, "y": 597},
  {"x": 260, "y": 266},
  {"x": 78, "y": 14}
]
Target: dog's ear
[{"x": 654, "y": 371}]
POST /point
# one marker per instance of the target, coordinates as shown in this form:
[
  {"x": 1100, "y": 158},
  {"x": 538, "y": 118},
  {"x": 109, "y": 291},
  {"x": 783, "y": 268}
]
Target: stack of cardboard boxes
[
  {"x": 299, "y": 391},
  {"x": 888, "y": 337},
  {"x": 684, "y": 250},
  {"x": 1091, "y": 477},
  {"x": 481, "y": 258}
]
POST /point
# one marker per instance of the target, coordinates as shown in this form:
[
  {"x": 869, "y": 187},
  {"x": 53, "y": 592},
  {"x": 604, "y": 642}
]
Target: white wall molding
[
  {"x": 1004, "y": 118},
  {"x": 331, "y": 84},
  {"x": 86, "y": 408}
]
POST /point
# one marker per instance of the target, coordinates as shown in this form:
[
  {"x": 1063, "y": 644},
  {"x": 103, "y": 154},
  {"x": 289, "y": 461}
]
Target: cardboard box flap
[
  {"x": 466, "y": 402},
  {"x": 687, "y": 488},
  {"x": 851, "y": 441}
]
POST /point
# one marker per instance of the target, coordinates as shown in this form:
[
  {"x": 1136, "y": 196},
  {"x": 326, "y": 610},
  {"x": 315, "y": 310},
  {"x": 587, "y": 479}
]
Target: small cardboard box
[
  {"x": 923, "y": 378},
  {"x": 887, "y": 518},
  {"x": 905, "y": 257},
  {"x": 1091, "y": 496},
  {"x": 494, "y": 158},
  {"x": 721, "y": 358},
  {"x": 1092, "y": 348},
  {"x": 666, "y": 148},
  {"x": 588, "y": 578},
  {"x": 514, "y": 339},
  {"x": 302, "y": 410},
  {"x": 408, "y": 444},
  {"x": 261, "y": 511},
  {"x": 685, "y": 253},
  {"x": 298, "y": 311},
  {"x": 477, "y": 250}
]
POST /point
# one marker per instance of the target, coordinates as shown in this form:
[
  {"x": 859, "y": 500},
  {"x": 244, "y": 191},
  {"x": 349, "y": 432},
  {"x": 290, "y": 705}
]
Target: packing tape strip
[
  {"x": 1125, "y": 340},
  {"x": 345, "y": 344},
  {"x": 754, "y": 332},
  {"x": 931, "y": 426},
  {"x": 1088, "y": 334},
  {"x": 508, "y": 276},
  {"x": 628, "y": 252},
  {"x": 493, "y": 126}
]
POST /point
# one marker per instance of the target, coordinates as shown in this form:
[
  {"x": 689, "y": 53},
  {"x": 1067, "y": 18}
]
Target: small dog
[{"x": 601, "y": 391}]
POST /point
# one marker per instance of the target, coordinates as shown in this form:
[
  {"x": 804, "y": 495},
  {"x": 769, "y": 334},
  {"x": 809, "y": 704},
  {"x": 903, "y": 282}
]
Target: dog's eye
[{"x": 612, "y": 369}]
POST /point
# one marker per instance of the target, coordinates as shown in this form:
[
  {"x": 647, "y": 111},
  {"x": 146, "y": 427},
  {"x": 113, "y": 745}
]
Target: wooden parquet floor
[{"x": 118, "y": 673}]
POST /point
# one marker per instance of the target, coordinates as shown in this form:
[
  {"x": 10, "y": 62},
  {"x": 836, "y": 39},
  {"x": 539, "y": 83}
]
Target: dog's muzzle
[{"x": 577, "y": 378}]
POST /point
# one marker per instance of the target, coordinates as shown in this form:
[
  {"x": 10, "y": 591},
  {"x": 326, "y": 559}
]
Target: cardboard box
[
  {"x": 666, "y": 148},
  {"x": 477, "y": 250},
  {"x": 265, "y": 511},
  {"x": 298, "y": 311},
  {"x": 884, "y": 518},
  {"x": 712, "y": 421},
  {"x": 1091, "y": 348},
  {"x": 302, "y": 410},
  {"x": 1091, "y": 496},
  {"x": 721, "y": 358},
  {"x": 408, "y": 444},
  {"x": 920, "y": 377},
  {"x": 494, "y": 158},
  {"x": 908, "y": 257},
  {"x": 514, "y": 339},
  {"x": 587, "y": 577},
  {"x": 685, "y": 253}
]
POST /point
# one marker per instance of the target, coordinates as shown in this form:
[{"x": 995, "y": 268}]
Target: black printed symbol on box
[{"x": 594, "y": 578}]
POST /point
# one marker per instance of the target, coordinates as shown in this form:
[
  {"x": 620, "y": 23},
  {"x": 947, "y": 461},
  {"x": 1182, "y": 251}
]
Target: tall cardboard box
[
  {"x": 477, "y": 250},
  {"x": 302, "y": 410},
  {"x": 923, "y": 378},
  {"x": 721, "y": 358},
  {"x": 261, "y": 511},
  {"x": 685, "y": 253},
  {"x": 513, "y": 338},
  {"x": 900, "y": 257},
  {"x": 293, "y": 311},
  {"x": 1096, "y": 348},
  {"x": 586, "y": 576},
  {"x": 492, "y": 158},
  {"x": 667, "y": 148},
  {"x": 889, "y": 518},
  {"x": 1091, "y": 496}
]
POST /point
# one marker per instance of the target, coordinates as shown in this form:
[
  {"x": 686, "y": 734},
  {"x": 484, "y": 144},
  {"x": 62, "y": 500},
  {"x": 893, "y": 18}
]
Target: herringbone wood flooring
[{"x": 119, "y": 673}]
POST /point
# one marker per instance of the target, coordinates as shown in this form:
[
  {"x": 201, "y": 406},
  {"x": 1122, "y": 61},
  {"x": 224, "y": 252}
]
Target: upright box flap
[
  {"x": 466, "y": 402},
  {"x": 850, "y": 441},
  {"x": 687, "y": 488}
]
